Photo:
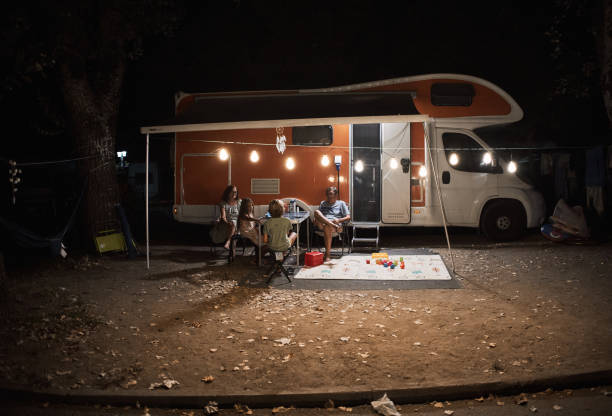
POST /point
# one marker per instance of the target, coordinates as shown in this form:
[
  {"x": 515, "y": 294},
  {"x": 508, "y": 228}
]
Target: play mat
[{"x": 364, "y": 267}]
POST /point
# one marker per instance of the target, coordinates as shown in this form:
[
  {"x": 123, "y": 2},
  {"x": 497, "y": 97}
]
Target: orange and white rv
[{"x": 397, "y": 143}]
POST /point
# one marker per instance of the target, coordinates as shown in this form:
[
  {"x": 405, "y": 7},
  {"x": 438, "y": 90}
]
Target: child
[
  {"x": 277, "y": 231},
  {"x": 247, "y": 223}
]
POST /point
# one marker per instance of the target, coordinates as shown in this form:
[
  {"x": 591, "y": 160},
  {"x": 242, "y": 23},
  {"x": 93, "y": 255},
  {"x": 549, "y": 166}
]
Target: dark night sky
[
  {"x": 277, "y": 45},
  {"x": 250, "y": 45}
]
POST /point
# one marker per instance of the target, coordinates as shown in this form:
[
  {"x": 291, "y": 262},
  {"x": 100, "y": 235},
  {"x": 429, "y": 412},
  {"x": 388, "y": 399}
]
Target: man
[{"x": 330, "y": 216}]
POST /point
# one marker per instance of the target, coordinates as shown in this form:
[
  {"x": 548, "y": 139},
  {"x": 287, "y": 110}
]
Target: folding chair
[
  {"x": 278, "y": 266},
  {"x": 342, "y": 236}
]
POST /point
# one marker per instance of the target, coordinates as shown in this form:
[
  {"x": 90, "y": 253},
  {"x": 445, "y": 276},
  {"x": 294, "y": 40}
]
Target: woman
[{"x": 230, "y": 206}]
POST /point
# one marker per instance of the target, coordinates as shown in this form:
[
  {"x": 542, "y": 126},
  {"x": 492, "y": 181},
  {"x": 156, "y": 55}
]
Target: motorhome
[{"x": 401, "y": 152}]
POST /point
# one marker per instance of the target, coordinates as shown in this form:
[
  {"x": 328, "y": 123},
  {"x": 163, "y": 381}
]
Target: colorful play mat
[{"x": 365, "y": 267}]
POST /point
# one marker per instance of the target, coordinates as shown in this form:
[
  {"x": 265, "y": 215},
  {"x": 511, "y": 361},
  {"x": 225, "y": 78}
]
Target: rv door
[{"x": 395, "y": 170}]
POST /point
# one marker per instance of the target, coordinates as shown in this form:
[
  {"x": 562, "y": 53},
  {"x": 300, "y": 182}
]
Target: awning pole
[
  {"x": 147, "y": 199},
  {"x": 435, "y": 175}
]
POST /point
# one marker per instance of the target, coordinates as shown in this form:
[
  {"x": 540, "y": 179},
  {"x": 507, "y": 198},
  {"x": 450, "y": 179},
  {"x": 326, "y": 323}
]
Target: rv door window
[{"x": 465, "y": 154}]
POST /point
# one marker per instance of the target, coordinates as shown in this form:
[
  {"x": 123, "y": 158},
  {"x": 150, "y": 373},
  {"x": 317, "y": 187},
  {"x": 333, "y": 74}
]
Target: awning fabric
[{"x": 243, "y": 111}]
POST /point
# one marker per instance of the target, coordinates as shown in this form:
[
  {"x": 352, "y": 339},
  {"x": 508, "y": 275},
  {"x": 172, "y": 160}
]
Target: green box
[{"x": 110, "y": 240}]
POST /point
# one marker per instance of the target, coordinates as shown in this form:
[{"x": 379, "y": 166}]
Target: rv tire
[{"x": 503, "y": 220}]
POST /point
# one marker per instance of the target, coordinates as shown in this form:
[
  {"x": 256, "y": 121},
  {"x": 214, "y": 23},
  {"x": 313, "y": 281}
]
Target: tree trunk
[
  {"x": 93, "y": 108},
  {"x": 606, "y": 65}
]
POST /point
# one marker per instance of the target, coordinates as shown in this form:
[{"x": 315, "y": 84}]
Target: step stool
[{"x": 368, "y": 241}]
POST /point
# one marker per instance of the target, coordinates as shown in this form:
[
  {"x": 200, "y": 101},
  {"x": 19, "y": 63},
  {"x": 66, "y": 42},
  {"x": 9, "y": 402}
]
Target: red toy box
[{"x": 314, "y": 258}]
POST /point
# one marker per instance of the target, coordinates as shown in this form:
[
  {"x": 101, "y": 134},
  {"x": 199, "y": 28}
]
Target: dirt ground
[
  {"x": 594, "y": 401},
  {"x": 526, "y": 309}
]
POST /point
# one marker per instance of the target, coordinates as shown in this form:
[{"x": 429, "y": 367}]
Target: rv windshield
[{"x": 512, "y": 142}]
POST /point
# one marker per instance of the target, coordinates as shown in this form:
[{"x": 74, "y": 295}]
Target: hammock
[{"x": 28, "y": 239}]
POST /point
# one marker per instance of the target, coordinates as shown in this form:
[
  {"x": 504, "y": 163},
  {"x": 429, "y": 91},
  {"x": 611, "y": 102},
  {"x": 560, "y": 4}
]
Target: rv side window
[
  {"x": 447, "y": 94},
  {"x": 465, "y": 154},
  {"x": 313, "y": 135}
]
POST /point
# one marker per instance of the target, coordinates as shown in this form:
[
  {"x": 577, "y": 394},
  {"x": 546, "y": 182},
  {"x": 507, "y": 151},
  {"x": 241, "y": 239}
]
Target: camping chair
[
  {"x": 343, "y": 236},
  {"x": 278, "y": 265},
  {"x": 236, "y": 238}
]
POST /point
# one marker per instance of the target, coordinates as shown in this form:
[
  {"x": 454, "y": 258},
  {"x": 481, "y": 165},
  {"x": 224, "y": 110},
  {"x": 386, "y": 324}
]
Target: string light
[
  {"x": 512, "y": 167},
  {"x": 290, "y": 163},
  {"x": 453, "y": 159},
  {"x": 325, "y": 160},
  {"x": 393, "y": 163},
  {"x": 223, "y": 154},
  {"x": 331, "y": 179},
  {"x": 341, "y": 179},
  {"x": 486, "y": 158},
  {"x": 254, "y": 157},
  {"x": 422, "y": 171},
  {"x": 359, "y": 166}
]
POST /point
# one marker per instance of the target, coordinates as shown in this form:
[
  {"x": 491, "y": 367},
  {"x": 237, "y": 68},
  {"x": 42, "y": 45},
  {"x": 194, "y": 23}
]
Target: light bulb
[
  {"x": 512, "y": 167},
  {"x": 254, "y": 157},
  {"x": 453, "y": 159},
  {"x": 393, "y": 163},
  {"x": 290, "y": 163},
  {"x": 223, "y": 155},
  {"x": 341, "y": 179},
  {"x": 486, "y": 158},
  {"x": 325, "y": 160},
  {"x": 359, "y": 166},
  {"x": 422, "y": 171},
  {"x": 331, "y": 179}
]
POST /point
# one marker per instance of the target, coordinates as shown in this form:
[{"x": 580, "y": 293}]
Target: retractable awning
[
  {"x": 215, "y": 112},
  {"x": 241, "y": 111}
]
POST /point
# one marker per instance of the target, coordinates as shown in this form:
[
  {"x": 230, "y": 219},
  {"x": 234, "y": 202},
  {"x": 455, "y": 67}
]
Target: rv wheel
[{"x": 503, "y": 220}]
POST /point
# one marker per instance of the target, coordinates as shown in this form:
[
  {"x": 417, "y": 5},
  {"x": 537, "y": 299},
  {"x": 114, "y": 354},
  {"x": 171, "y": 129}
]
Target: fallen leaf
[
  {"x": 438, "y": 404},
  {"x": 345, "y": 339},
  {"x": 418, "y": 322},
  {"x": 242, "y": 408},
  {"x": 212, "y": 408},
  {"x": 208, "y": 379},
  {"x": 480, "y": 399},
  {"x": 167, "y": 383},
  {"x": 345, "y": 409},
  {"x": 533, "y": 409},
  {"x": 213, "y": 350},
  {"x": 557, "y": 407},
  {"x": 283, "y": 341},
  {"x": 449, "y": 412},
  {"x": 500, "y": 403},
  {"x": 521, "y": 399},
  {"x": 281, "y": 409}
]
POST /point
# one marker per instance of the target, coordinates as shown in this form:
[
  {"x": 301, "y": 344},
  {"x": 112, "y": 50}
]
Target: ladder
[{"x": 368, "y": 241}]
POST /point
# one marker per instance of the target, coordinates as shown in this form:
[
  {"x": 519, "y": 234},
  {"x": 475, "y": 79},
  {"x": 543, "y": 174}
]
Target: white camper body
[{"x": 391, "y": 153}]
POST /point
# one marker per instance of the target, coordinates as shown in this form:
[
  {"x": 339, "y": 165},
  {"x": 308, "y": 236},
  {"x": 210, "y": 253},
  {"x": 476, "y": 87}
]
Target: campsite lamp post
[{"x": 338, "y": 162}]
